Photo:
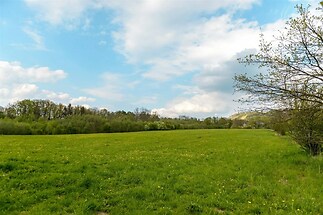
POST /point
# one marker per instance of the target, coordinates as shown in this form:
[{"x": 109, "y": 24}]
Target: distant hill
[{"x": 247, "y": 115}]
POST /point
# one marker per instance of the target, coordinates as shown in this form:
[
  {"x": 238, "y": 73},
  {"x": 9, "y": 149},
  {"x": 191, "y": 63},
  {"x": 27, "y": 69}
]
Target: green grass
[{"x": 169, "y": 172}]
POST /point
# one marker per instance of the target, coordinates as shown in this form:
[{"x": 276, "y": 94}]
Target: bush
[
  {"x": 279, "y": 121},
  {"x": 307, "y": 129},
  {"x": 158, "y": 125},
  {"x": 8, "y": 127}
]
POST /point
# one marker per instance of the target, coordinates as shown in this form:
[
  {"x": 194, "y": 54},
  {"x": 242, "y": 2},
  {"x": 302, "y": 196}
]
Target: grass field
[{"x": 169, "y": 172}]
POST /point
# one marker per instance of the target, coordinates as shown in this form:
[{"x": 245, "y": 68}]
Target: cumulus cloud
[
  {"x": 18, "y": 82},
  {"x": 54, "y": 96},
  {"x": 23, "y": 90},
  {"x": 81, "y": 100},
  {"x": 156, "y": 30},
  {"x": 199, "y": 105},
  {"x": 204, "y": 43},
  {"x": 66, "y": 98},
  {"x": 14, "y": 72},
  {"x": 16, "y": 92},
  {"x": 173, "y": 36}
]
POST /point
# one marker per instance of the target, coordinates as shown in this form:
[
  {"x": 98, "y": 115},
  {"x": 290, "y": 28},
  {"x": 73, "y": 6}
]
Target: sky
[{"x": 173, "y": 57}]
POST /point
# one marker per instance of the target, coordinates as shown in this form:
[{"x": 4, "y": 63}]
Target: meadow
[{"x": 159, "y": 172}]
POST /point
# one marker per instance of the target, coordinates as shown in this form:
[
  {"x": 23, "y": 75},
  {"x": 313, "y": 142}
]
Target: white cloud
[
  {"x": 81, "y": 100},
  {"x": 60, "y": 96},
  {"x": 153, "y": 29},
  {"x": 18, "y": 83},
  {"x": 15, "y": 92},
  {"x": 23, "y": 90},
  {"x": 199, "y": 105},
  {"x": 210, "y": 43},
  {"x": 65, "y": 98},
  {"x": 14, "y": 72}
]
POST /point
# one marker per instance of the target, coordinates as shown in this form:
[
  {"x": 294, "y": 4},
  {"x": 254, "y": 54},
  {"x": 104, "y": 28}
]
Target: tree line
[{"x": 46, "y": 117}]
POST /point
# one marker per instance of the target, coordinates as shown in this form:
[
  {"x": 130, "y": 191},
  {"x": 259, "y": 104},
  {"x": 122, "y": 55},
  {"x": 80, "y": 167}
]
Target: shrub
[
  {"x": 12, "y": 127},
  {"x": 158, "y": 125},
  {"x": 307, "y": 129}
]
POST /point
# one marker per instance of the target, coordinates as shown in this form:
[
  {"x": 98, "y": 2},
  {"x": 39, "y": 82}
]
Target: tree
[
  {"x": 293, "y": 80},
  {"x": 2, "y": 114}
]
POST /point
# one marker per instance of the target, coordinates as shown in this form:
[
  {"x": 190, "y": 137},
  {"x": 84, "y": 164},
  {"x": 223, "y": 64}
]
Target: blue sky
[{"x": 174, "y": 57}]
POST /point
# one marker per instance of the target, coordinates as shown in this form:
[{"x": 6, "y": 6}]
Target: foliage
[
  {"x": 294, "y": 79},
  {"x": 156, "y": 125},
  {"x": 307, "y": 128},
  {"x": 15, "y": 128},
  {"x": 279, "y": 121},
  {"x": 46, "y": 117},
  {"x": 170, "y": 172}
]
